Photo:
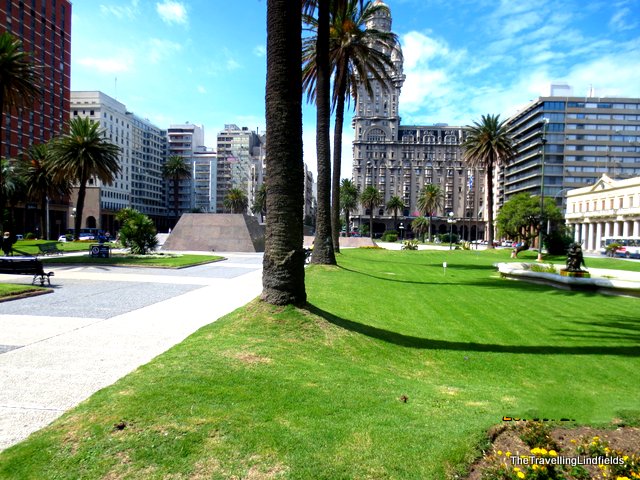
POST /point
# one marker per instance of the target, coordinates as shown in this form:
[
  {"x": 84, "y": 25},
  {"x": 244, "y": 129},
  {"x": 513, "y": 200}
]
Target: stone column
[
  {"x": 607, "y": 229},
  {"x": 616, "y": 229},
  {"x": 598, "y": 235},
  {"x": 636, "y": 228},
  {"x": 576, "y": 232},
  {"x": 625, "y": 228},
  {"x": 589, "y": 244},
  {"x": 583, "y": 235}
]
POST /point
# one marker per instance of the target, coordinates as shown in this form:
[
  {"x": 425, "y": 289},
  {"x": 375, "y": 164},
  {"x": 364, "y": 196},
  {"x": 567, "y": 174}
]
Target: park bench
[
  {"x": 25, "y": 266},
  {"x": 49, "y": 249}
]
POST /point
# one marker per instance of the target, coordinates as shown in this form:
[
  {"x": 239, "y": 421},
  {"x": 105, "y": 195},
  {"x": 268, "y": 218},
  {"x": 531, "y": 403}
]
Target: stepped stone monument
[{"x": 218, "y": 232}]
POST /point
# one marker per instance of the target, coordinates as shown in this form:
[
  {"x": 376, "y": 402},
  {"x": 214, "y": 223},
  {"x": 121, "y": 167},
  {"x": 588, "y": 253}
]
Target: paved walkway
[{"x": 100, "y": 324}]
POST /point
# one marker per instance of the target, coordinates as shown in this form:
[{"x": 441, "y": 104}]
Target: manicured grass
[
  {"x": 320, "y": 392},
  {"x": 164, "y": 261},
  {"x": 8, "y": 290},
  {"x": 30, "y": 247}
]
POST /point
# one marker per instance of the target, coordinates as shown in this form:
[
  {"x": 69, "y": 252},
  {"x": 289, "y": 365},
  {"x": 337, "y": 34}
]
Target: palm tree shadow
[{"x": 409, "y": 341}]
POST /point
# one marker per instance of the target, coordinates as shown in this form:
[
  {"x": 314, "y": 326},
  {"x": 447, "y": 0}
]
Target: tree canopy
[{"x": 519, "y": 218}]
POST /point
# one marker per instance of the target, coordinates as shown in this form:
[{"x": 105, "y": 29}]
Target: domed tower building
[{"x": 399, "y": 159}]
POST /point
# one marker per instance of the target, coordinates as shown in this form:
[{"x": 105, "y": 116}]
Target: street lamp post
[
  {"x": 450, "y": 221},
  {"x": 543, "y": 141},
  {"x": 401, "y": 228}
]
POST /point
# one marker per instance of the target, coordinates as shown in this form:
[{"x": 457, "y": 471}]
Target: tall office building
[
  {"x": 399, "y": 160},
  {"x": 205, "y": 166},
  {"x": 583, "y": 137},
  {"x": 184, "y": 141},
  {"x": 139, "y": 184},
  {"x": 44, "y": 27},
  {"x": 240, "y": 159}
]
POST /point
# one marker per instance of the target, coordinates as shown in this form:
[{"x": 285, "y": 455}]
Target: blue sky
[{"x": 203, "y": 61}]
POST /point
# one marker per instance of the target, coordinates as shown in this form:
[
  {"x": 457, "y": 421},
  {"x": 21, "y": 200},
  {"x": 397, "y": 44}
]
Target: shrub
[
  {"x": 444, "y": 238},
  {"x": 389, "y": 236},
  {"x": 410, "y": 245},
  {"x": 558, "y": 242},
  {"x": 138, "y": 232},
  {"x": 29, "y": 236}
]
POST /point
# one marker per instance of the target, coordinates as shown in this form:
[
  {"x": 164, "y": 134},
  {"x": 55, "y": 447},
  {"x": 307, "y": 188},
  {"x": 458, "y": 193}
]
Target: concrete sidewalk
[{"x": 53, "y": 361}]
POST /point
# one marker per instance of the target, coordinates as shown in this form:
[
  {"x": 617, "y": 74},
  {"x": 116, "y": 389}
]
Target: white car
[{"x": 62, "y": 238}]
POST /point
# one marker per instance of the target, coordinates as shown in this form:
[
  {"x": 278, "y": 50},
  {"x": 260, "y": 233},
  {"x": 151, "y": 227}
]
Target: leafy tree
[
  {"x": 431, "y": 198},
  {"x": 40, "y": 179},
  {"x": 283, "y": 261},
  {"x": 236, "y": 201},
  {"x": 176, "y": 169},
  {"x": 323, "y": 252},
  {"x": 137, "y": 231},
  {"x": 81, "y": 154},
  {"x": 370, "y": 199},
  {"x": 420, "y": 226},
  {"x": 260, "y": 202},
  {"x": 394, "y": 204},
  {"x": 487, "y": 145},
  {"x": 358, "y": 55},
  {"x": 20, "y": 80},
  {"x": 348, "y": 199},
  {"x": 519, "y": 218}
]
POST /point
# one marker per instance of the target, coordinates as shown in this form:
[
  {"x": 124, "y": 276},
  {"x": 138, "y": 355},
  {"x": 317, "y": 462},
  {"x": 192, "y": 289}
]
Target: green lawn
[
  {"x": 30, "y": 247},
  {"x": 163, "y": 261},
  {"x": 318, "y": 392},
  {"x": 8, "y": 290}
]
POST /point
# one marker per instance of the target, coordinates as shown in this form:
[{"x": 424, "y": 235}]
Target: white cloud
[
  {"x": 623, "y": 20},
  {"x": 259, "y": 51},
  {"x": 201, "y": 89},
  {"x": 171, "y": 11},
  {"x": 232, "y": 64},
  {"x": 129, "y": 11},
  {"x": 107, "y": 65},
  {"x": 161, "y": 49}
]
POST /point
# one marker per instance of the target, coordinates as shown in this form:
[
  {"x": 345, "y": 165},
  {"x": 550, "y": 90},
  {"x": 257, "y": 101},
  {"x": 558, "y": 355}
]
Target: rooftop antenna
[{"x": 591, "y": 91}]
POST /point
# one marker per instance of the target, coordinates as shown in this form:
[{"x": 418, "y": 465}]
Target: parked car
[
  {"x": 62, "y": 238},
  {"x": 87, "y": 236}
]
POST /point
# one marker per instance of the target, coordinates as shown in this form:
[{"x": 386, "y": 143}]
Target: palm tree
[
  {"x": 420, "y": 226},
  {"x": 430, "y": 199},
  {"x": 12, "y": 189},
  {"x": 358, "y": 55},
  {"x": 236, "y": 200},
  {"x": 394, "y": 204},
  {"x": 487, "y": 145},
  {"x": 371, "y": 198},
  {"x": 348, "y": 199},
  {"x": 283, "y": 261},
  {"x": 260, "y": 202},
  {"x": 81, "y": 154},
  {"x": 324, "y": 252},
  {"x": 41, "y": 181},
  {"x": 19, "y": 87},
  {"x": 176, "y": 169}
]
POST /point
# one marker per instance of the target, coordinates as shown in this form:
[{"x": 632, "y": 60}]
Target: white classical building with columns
[{"x": 608, "y": 208}]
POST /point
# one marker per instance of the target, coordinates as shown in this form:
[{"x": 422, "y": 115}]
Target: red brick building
[{"x": 44, "y": 27}]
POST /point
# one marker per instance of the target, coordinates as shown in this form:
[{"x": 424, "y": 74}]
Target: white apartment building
[
  {"x": 139, "y": 183},
  {"x": 184, "y": 140},
  {"x": 240, "y": 160},
  {"x": 608, "y": 208}
]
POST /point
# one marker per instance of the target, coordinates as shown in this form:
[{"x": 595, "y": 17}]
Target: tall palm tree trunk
[
  {"x": 77, "y": 221},
  {"x": 489, "y": 205},
  {"x": 2, "y": 197},
  {"x": 346, "y": 221},
  {"x": 429, "y": 236},
  {"x": 371, "y": 224},
  {"x": 337, "y": 160},
  {"x": 176, "y": 202},
  {"x": 323, "y": 249},
  {"x": 283, "y": 263}
]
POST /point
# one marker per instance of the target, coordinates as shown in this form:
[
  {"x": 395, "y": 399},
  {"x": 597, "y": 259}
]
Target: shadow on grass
[
  {"x": 431, "y": 344},
  {"x": 625, "y": 328}
]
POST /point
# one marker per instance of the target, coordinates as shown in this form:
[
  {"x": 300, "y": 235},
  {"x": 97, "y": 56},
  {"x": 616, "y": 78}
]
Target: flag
[{"x": 470, "y": 185}]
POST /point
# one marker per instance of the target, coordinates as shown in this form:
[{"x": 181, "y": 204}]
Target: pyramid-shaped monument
[{"x": 217, "y": 232}]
